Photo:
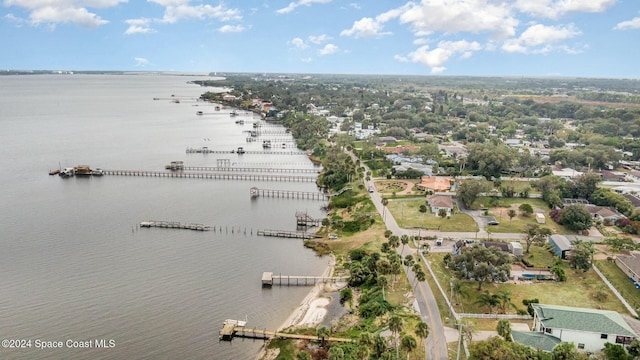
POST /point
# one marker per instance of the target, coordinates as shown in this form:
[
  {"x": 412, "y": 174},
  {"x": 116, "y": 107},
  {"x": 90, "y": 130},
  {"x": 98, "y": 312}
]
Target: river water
[{"x": 75, "y": 266}]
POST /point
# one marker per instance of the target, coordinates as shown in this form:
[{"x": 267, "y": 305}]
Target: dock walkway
[
  {"x": 289, "y": 194},
  {"x": 263, "y": 152},
  {"x": 174, "y": 225},
  {"x": 288, "y": 234},
  {"x": 214, "y": 176},
  {"x": 269, "y": 279},
  {"x": 229, "y": 331}
]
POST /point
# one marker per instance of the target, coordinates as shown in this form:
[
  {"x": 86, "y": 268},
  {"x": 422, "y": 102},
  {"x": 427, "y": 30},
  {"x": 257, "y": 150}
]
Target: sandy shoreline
[{"x": 313, "y": 308}]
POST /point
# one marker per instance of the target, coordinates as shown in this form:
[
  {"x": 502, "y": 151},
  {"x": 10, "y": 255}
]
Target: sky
[{"x": 584, "y": 38}]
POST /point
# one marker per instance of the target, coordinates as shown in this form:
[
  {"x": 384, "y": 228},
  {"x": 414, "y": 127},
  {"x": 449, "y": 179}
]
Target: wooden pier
[
  {"x": 288, "y": 234},
  {"x": 288, "y": 194},
  {"x": 174, "y": 225},
  {"x": 229, "y": 331},
  {"x": 269, "y": 279},
  {"x": 205, "y": 150},
  {"x": 214, "y": 176},
  {"x": 303, "y": 219},
  {"x": 241, "y": 169}
]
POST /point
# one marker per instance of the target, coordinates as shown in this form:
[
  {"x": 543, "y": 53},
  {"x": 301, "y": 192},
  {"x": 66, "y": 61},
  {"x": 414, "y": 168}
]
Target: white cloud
[
  {"x": 176, "y": 10},
  {"x": 299, "y": 43},
  {"x": 306, "y": 60},
  {"x": 629, "y": 24},
  {"x": 329, "y": 49},
  {"x": 400, "y": 58},
  {"x": 438, "y": 57},
  {"x": 139, "y": 26},
  {"x": 231, "y": 29},
  {"x": 453, "y": 16},
  {"x": 365, "y": 28},
  {"x": 141, "y": 62},
  {"x": 420, "y": 41},
  {"x": 319, "y": 39},
  {"x": 64, "y": 11},
  {"x": 293, "y": 5},
  {"x": 540, "y": 38},
  {"x": 556, "y": 8}
]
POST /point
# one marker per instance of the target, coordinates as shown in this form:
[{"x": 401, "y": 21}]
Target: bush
[{"x": 345, "y": 295}]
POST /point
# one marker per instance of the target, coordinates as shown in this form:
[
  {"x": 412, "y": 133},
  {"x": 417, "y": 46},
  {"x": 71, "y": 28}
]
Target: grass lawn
[
  {"x": 499, "y": 208},
  {"x": 579, "y": 290},
  {"x": 407, "y": 214},
  {"x": 620, "y": 281}
]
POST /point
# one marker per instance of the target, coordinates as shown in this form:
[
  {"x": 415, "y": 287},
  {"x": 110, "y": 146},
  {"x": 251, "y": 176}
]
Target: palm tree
[
  {"x": 420, "y": 276},
  {"x": 395, "y": 325},
  {"x": 322, "y": 332},
  {"x": 458, "y": 290},
  {"x": 504, "y": 297},
  {"x": 394, "y": 241},
  {"x": 365, "y": 341},
  {"x": 405, "y": 240},
  {"x": 409, "y": 344},
  {"x": 379, "y": 345},
  {"x": 422, "y": 330},
  {"x": 486, "y": 299},
  {"x": 385, "y": 201}
]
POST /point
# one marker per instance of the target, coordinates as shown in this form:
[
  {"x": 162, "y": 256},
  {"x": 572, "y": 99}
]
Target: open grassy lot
[
  {"x": 499, "y": 208},
  {"x": 582, "y": 289},
  {"x": 407, "y": 214},
  {"x": 620, "y": 281}
]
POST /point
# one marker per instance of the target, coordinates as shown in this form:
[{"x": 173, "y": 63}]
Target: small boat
[
  {"x": 240, "y": 150},
  {"x": 266, "y": 144},
  {"x": 217, "y": 108},
  {"x": 237, "y": 323},
  {"x": 199, "y": 113},
  {"x": 54, "y": 172},
  {"x": 241, "y": 122},
  {"x": 233, "y": 113},
  {"x": 67, "y": 172},
  {"x": 284, "y": 146},
  {"x": 97, "y": 172}
]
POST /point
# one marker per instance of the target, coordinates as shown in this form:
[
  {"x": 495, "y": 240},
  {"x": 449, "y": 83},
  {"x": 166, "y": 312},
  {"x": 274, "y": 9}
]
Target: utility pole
[{"x": 460, "y": 327}]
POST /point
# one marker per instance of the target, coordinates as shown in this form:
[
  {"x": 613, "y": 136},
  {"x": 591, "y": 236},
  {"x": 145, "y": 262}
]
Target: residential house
[
  {"x": 634, "y": 175},
  {"x": 513, "y": 142},
  {"x": 630, "y": 265},
  {"x": 635, "y": 201},
  {"x": 560, "y": 245},
  {"x": 437, "y": 202},
  {"x": 567, "y": 173},
  {"x": 604, "y": 213},
  {"x": 503, "y": 246},
  {"x": 588, "y": 329},
  {"x": 608, "y": 175},
  {"x": 436, "y": 183}
]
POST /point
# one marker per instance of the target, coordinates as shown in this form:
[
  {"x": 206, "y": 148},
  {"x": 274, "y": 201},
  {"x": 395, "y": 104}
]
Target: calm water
[{"x": 73, "y": 264}]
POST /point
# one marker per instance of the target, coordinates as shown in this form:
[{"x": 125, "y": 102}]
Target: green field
[
  {"x": 407, "y": 214},
  {"x": 580, "y": 290}
]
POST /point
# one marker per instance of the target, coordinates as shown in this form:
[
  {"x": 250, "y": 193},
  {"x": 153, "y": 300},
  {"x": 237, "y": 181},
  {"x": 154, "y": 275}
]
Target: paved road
[{"x": 436, "y": 343}]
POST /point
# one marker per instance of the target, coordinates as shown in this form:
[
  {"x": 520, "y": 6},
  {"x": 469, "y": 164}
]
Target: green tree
[
  {"x": 616, "y": 352},
  {"x": 535, "y": 234},
  {"x": 323, "y": 333},
  {"x": 567, "y": 351},
  {"x": 505, "y": 300},
  {"x": 581, "y": 255},
  {"x": 303, "y": 355},
  {"x": 504, "y": 329},
  {"x": 525, "y": 209},
  {"x": 409, "y": 344},
  {"x": 481, "y": 264},
  {"x": 498, "y": 348},
  {"x": 405, "y": 240},
  {"x": 469, "y": 190},
  {"x": 488, "y": 300},
  {"x": 442, "y": 213},
  {"x": 395, "y": 325},
  {"x": 511, "y": 213},
  {"x": 576, "y": 217},
  {"x": 422, "y": 330},
  {"x": 336, "y": 353}
]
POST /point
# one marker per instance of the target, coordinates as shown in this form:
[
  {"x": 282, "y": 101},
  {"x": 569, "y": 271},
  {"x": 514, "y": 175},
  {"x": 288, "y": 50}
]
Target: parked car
[
  {"x": 371, "y": 189},
  {"x": 493, "y": 222}
]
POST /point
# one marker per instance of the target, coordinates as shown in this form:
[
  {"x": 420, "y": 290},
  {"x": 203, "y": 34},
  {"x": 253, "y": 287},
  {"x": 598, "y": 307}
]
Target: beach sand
[{"x": 313, "y": 308}]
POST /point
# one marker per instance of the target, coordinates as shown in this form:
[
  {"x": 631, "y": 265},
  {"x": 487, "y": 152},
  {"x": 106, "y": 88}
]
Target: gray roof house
[
  {"x": 560, "y": 245},
  {"x": 588, "y": 329}
]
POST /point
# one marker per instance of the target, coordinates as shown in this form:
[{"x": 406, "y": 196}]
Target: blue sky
[{"x": 590, "y": 38}]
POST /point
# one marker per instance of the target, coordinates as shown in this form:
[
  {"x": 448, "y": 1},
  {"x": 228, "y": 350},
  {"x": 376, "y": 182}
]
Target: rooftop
[{"x": 583, "y": 319}]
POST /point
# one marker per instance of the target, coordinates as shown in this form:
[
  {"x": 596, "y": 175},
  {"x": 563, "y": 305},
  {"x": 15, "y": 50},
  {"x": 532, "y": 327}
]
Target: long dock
[
  {"x": 174, "y": 225},
  {"x": 289, "y": 194},
  {"x": 263, "y": 152},
  {"x": 228, "y": 332},
  {"x": 269, "y": 279},
  {"x": 245, "y": 169},
  {"x": 288, "y": 234},
  {"x": 215, "y": 176}
]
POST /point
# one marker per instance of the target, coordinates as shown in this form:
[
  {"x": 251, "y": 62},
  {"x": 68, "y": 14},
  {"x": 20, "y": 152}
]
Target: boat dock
[
  {"x": 215, "y": 176},
  {"x": 205, "y": 150},
  {"x": 289, "y": 194},
  {"x": 269, "y": 279},
  {"x": 288, "y": 234},
  {"x": 174, "y": 225},
  {"x": 229, "y": 331},
  {"x": 241, "y": 169},
  {"x": 303, "y": 219}
]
